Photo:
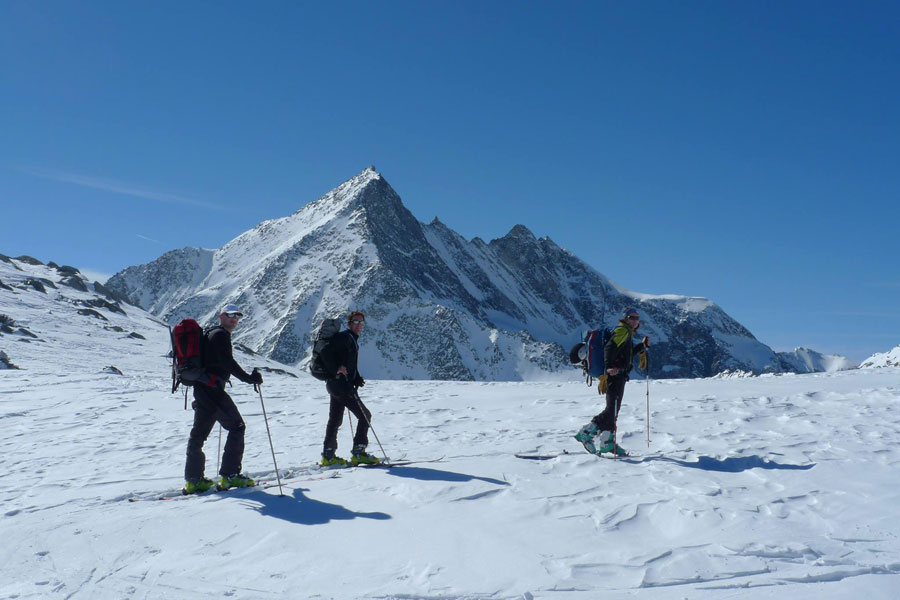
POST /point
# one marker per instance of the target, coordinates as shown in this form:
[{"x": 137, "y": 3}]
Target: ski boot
[
  {"x": 197, "y": 486},
  {"x": 359, "y": 456},
  {"x": 235, "y": 481},
  {"x": 606, "y": 443},
  {"x": 586, "y": 436},
  {"x": 330, "y": 460}
]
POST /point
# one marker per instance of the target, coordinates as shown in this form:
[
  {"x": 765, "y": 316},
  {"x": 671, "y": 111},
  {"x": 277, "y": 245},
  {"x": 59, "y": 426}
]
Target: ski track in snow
[{"x": 767, "y": 487}]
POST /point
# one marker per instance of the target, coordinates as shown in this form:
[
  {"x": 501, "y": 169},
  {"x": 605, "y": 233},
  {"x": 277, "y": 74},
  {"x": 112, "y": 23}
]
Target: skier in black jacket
[
  {"x": 212, "y": 403},
  {"x": 618, "y": 357},
  {"x": 341, "y": 357}
]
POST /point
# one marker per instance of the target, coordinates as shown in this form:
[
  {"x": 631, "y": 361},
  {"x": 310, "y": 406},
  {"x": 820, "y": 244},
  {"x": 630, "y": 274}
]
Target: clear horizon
[{"x": 741, "y": 152}]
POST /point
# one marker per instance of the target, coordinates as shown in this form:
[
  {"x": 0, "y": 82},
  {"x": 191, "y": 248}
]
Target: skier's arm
[
  {"x": 334, "y": 356},
  {"x": 223, "y": 348}
]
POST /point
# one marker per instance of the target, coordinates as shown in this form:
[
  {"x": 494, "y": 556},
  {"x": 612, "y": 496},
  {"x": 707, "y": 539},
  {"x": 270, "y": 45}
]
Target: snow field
[{"x": 752, "y": 488}]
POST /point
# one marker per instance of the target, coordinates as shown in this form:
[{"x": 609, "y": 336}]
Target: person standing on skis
[
  {"x": 618, "y": 356},
  {"x": 211, "y": 404},
  {"x": 341, "y": 357}
]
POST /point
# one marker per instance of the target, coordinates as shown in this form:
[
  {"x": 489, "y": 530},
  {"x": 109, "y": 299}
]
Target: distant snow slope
[
  {"x": 752, "y": 488},
  {"x": 885, "y": 359},
  {"x": 438, "y": 306},
  {"x": 804, "y": 360}
]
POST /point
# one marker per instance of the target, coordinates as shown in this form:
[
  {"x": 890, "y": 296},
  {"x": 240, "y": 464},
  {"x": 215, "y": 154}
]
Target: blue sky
[{"x": 743, "y": 151}]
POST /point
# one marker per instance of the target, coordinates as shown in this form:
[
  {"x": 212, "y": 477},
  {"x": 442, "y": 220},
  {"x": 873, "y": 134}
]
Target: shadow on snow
[
  {"x": 734, "y": 464},
  {"x": 426, "y": 474},
  {"x": 303, "y": 510}
]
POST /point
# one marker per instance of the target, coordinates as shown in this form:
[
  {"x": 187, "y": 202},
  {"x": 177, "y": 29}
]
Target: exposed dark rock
[
  {"x": 3, "y": 286},
  {"x": 35, "y": 284},
  {"x": 136, "y": 336},
  {"x": 52, "y": 265},
  {"x": 112, "y": 370},
  {"x": 69, "y": 271},
  {"x": 112, "y": 294},
  {"x": 277, "y": 371},
  {"x": 100, "y": 303},
  {"x": 90, "y": 312},
  {"x": 25, "y": 332},
  {"x": 29, "y": 260},
  {"x": 75, "y": 282},
  {"x": 5, "y": 363}
]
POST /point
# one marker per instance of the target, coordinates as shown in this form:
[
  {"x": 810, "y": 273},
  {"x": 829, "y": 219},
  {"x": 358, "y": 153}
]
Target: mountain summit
[{"x": 438, "y": 306}]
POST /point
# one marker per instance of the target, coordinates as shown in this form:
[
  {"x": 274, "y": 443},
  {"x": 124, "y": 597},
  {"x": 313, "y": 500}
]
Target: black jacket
[
  {"x": 343, "y": 350},
  {"x": 219, "y": 359}
]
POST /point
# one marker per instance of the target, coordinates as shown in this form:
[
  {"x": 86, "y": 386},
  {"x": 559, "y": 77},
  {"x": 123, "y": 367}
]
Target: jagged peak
[
  {"x": 519, "y": 233},
  {"x": 348, "y": 191}
]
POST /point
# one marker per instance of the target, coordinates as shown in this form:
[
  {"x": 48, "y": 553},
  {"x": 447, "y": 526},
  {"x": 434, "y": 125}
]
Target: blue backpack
[{"x": 588, "y": 353}]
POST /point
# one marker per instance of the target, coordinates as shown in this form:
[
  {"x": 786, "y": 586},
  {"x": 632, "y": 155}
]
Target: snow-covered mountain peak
[
  {"x": 890, "y": 358},
  {"x": 438, "y": 306},
  {"x": 350, "y": 193}
]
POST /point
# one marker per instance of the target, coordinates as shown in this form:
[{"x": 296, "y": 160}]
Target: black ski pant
[
  {"x": 615, "y": 391},
  {"x": 336, "y": 417},
  {"x": 213, "y": 405}
]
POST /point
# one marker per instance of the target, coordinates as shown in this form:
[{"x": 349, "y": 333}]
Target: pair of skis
[
  {"x": 608, "y": 455},
  {"x": 290, "y": 477},
  {"x": 383, "y": 465}
]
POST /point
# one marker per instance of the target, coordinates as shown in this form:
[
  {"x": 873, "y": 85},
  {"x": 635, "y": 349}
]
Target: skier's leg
[
  {"x": 335, "y": 418},
  {"x": 204, "y": 419},
  {"x": 231, "y": 420}
]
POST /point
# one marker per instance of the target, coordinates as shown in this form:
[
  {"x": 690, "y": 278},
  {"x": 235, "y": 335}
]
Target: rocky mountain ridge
[{"x": 438, "y": 306}]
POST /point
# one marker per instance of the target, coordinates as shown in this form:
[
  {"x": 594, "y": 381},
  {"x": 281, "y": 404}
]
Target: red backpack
[{"x": 188, "y": 349}]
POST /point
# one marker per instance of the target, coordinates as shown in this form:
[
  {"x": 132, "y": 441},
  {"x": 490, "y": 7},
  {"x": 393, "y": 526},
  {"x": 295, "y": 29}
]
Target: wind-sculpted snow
[
  {"x": 358, "y": 247},
  {"x": 752, "y": 488}
]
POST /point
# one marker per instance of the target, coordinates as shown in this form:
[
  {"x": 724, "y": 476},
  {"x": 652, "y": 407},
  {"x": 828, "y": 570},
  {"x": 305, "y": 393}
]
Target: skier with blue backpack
[{"x": 599, "y": 435}]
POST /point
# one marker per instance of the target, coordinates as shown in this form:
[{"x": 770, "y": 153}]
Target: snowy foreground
[{"x": 771, "y": 487}]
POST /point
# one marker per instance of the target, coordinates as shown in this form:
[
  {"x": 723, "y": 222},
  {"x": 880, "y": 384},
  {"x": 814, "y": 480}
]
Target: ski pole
[
  {"x": 363, "y": 411},
  {"x": 350, "y": 416},
  {"x": 258, "y": 388},
  {"x": 219, "y": 452},
  {"x": 647, "y": 354}
]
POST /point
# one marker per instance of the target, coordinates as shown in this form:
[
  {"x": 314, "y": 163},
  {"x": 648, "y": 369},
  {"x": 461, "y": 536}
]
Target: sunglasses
[
  {"x": 358, "y": 322},
  {"x": 234, "y": 315},
  {"x": 633, "y": 318}
]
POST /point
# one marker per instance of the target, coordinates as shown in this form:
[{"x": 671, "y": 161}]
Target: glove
[
  {"x": 360, "y": 382},
  {"x": 256, "y": 377},
  {"x": 603, "y": 385}
]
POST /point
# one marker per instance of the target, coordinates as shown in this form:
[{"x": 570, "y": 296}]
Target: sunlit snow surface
[{"x": 761, "y": 487}]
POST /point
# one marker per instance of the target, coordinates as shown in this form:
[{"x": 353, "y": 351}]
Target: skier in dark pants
[
  {"x": 599, "y": 435},
  {"x": 341, "y": 357},
  {"x": 212, "y": 404}
]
